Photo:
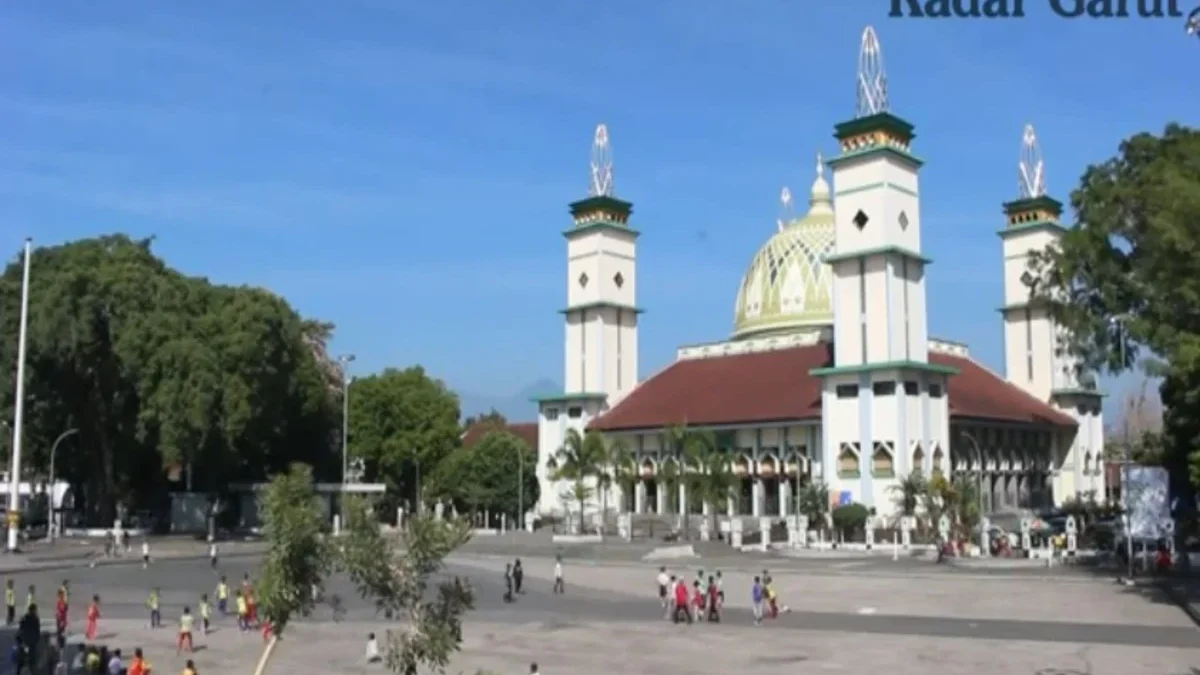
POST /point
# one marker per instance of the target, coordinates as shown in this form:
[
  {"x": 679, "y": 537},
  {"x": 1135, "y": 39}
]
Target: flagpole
[{"x": 14, "y": 487}]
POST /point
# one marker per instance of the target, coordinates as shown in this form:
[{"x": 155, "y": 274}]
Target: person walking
[
  {"x": 186, "y": 624},
  {"x": 10, "y": 603},
  {"x": 518, "y": 576},
  {"x": 756, "y": 598},
  {"x": 145, "y": 553},
  {"x": 212, "y": 555},
  {"x": 30, "y": 633},
  {"x": 93, "y": 618},
  {"x": 663, "y": 580},
  {"x": 223, "y": 596},
  {"x": 153, "y": 606},
  {"x": 205, "y": 613},
  {"x": 559, "y": 586}
]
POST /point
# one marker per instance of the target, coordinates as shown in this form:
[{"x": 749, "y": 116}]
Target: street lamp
[
  {"x": 14, "y": 494},
  {"x": 345, "y": 360},
  {"x": 53, "y": 450}
]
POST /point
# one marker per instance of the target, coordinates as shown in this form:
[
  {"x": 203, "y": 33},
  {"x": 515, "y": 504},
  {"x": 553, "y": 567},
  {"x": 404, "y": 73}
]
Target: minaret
[
  {"x": 601, "y": 316},
  {"x": 1033, "y": 356},
  {"x": 884, "y": 404}
]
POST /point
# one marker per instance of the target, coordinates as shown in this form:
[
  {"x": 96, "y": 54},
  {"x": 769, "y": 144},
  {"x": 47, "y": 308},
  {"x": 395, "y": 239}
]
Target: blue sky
[{"x": 403, "y": 168}]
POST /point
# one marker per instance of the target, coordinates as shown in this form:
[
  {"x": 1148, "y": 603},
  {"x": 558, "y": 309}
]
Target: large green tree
[
  {"x": 1126, "y": 281},
  {"x": 488, "y": 476},
  {"x": 403, "y": 423},
  {"x": 157, "y": 371}
]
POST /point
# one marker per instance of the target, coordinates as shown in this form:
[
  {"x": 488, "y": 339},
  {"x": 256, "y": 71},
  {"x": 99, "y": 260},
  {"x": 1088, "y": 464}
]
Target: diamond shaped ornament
[
  {"x": 860, "y": 219},
  {"x": 618, "y": 279},
  {"x": 583, "y": 280}
]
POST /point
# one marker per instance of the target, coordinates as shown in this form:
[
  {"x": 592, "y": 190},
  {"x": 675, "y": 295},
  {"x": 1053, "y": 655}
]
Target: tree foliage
[
  {"x": 1126, "y": 281},
  {"x": 157, "y": 369},
  {"x": 486, "y": 476},
  {"x": 402, "y": 424},
  {"x": 579, "y": 461}
]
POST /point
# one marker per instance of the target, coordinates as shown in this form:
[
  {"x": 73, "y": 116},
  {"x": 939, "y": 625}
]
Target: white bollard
[{"x": 895, "y": 546}]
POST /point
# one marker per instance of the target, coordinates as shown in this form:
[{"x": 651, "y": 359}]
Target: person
[
  {"x": 756, "y": 598},
  {"x": 93, "y": 617},
  {"x": 698, "y": 599},
  {"x": 1162, "y": 558},
  {"x": 372, "y": 649},
  {"x": 223, "y": 596},
  {"x": 663, "y": 580},
  {"x": 212, "y": 555},
  {"x": 518, "y": 576},
  {"x": 251, "y": 609},
  {"x": 670, "y": 604},
  {"x": 508, "y": 583},
  {"x": 10, "y": 603},
  {"x": 138, "y": 665},
  {"x": 153, "y": 606},
  {"x": 16, "y": 655},
  {"x": 714, "y": 602},
  {"x": 205, "y": 613},
  {"x": 773, "y": 600},
  {"x": 60, "y": 620},
  {"x": 115, "y": 665},
  {"x": 189, "y": 668},
  {"x": 533, "y": 669},
  {"x": 720, "y": 587},
  {"x": 242, "y": 611},
  {"x": 559, "y": 587},
  {"x": 145, "y": 553},
  {"x": 681, "y": 602},
  {"x": 91, "y": 662},
  {"x": 125, "y": 540},
  {"x": 186, "y": 623},
  {"x": 268, "y": 629},
  {"x": 30, "y": 597},
  {"x": 65, "y": 590},
  {"x": 30, "y": 632}
]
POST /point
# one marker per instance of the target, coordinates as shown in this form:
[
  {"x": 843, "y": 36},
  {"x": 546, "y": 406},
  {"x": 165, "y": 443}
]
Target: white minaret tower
[
  {"x": 601, "y": 359},
  {"x": 884, "y": 404},
  {"x": 1033, "y": 356}
]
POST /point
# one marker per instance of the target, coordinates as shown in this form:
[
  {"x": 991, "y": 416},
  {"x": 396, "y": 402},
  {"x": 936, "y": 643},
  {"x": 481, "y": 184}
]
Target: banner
[{"x": 1146, "y": 495}]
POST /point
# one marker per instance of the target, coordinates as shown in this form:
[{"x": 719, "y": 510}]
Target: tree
[
  {"x": 158, "y": 371},
  {"x": 814, "y": 503},
  {"x": 485, "y": 475},
  {"x": 399, "y": 581},
  {"x": 714, "y": 478},
  {"x": 1119, "y": 282},
  {"x": 402, "y": 423},
  {"x": 578, "y": 461},
  {"x": 624, "y": 470},
  {"x": 908, "y": 491},
  {"x": 491, "y": 419}
]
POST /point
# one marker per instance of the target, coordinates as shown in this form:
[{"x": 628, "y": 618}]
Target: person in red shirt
[
  {"x": 698, "y": 599},
  {"x": 267, "y": 629},
  {"x": 93, "y": 617},
  {"x": 681, "y": 602},
  {"x": 60, "y": 618}
]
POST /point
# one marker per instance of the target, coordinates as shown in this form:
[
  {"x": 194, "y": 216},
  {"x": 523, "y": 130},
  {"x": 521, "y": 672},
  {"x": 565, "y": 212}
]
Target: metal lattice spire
[
  {"x": 1193, "y": 22},
  {"x": 786, "y": 212},
  {"x": 1031, "y": 170},
  {"x": 872, "y": 79},
  {"x": 602, "y": 165}
]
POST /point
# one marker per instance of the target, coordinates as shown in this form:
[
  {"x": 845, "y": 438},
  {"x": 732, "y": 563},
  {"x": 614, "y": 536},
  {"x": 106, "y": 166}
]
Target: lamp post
[
  {"x": 520, "y": 487},
  {"x": 53, "y": 450},
  {"x": 14, "y": 493},
  {"x": 345, "y": 360},
  {"x": 1118, "y": 322}
]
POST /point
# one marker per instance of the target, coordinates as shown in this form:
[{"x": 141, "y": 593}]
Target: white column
[
  {"x": 661, "y": 499},
  {"x": 730, "y": 501},
  {"x": 785, "y": 497},
  {"x": 682, "y": 499},
  {"x": 756, "y": 498},
  {"x": 639, "y": 497}
]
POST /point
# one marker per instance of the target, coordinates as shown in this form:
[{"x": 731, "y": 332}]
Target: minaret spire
[
  {"x": 602, "y": 165},
  {"x": 872, "y": 79},
  {"x": 1031, "y": 169},
  {"x": 786, "y": 213}
]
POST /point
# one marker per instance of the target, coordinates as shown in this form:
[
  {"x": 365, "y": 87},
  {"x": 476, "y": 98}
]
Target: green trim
[
  {"x": 602, "y": 305},
  {"x": 898, "y": 153},
  {"x": 1031, "y": 204},
  {"x": 884, "y": 121},
  {"x": 878, "y": 250},
  {"x": 882, "y": 184},
  {"x": 890, "y": 473},
  {"x": 1078, "y": 391},
  {"x": 600, "y": 225},
  {"x": 884, "y": 365},
  {"x": 1033, "y": 226},
  {"x": 600, "y": 203},
  {"x": 849, "y": 474},
  {"x": 566, "y": 398}
]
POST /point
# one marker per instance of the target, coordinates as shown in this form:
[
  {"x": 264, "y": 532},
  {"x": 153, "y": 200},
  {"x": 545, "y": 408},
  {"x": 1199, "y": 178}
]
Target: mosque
[{"x": 830, "y": 374}]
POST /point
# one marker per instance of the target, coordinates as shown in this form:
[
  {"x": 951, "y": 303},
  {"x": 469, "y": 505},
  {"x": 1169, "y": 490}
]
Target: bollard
[{"x": 895, "y": 546}]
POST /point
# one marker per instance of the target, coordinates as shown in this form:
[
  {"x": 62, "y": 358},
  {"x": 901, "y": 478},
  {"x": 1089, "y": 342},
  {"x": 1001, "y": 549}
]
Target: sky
[{"x": 402, "y": 169}]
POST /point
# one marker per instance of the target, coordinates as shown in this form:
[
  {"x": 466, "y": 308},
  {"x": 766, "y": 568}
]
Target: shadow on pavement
[{"x": 1178, "y": 588}]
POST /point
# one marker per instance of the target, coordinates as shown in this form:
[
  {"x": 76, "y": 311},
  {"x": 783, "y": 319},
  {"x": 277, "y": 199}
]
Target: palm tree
[
  {"x": 908, "y": 492},
  {"x": 579, "y": 459},
  {"x": 676, "y": 441},
  {"x": 623, "y": 469},
  {"x": 813, "y": 502},
  {"x": 713, "y": 479}
]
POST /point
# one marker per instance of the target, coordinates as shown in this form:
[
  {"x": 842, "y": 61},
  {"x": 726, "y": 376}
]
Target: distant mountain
[{"x": 515, "y": 408}]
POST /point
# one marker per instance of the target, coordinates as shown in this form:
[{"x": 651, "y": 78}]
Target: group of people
[
  {"x": 514, "y": 578},
  {"x": 705, "y": 599}
]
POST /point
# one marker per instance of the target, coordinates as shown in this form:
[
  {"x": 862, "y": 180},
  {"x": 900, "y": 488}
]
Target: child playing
[
  {"x": 93, "y": 618},
  {"x": 222, "y": 596},
  {"x": 60, "y": 620},
  {"x": 698, "y": 600},
  {"x": 204, "y": 613},
  {"x": 714, "y": 602},
  {"x": 186, "y": 621},
  {"x": 251, "y": 609},
  {"x": 267, "y": 629},
  {"x": 242, "y": 611},
  {"x": 10, "y": 603},
  {"x": 152, "y": 605}
]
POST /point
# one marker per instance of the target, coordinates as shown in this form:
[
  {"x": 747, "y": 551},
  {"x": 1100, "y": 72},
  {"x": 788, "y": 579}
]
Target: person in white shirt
[
  {"x": 372, "y": 650},
  {"x": 145, "y": 553},
  {"x": 115, "y": 666},
  {"x": 212, "y": 554},
  {"x": 558, "y": 575},
  {"x": 663, "y": 580},
  {"x": 669, "y": 605}
]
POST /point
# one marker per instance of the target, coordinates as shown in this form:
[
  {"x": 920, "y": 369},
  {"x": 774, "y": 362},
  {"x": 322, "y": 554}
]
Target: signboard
[
  {"x": 845, "y": 497},
  {"x": 1146, "y": 496}
]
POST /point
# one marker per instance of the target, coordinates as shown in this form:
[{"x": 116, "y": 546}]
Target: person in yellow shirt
[
  {"x": 153, "y": 606},
  {"x": 243, "y": 612},
  {"x": 186, "y": 623},
  {"x": 190, "y": 668},
  {"x": 10, "y": 603},
  {"x": 205, "y": 613},
  {"x": 222, "y": 596}
]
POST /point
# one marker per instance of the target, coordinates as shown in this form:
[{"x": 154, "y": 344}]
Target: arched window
[
  {"x": 848, "y": 461},
  {"x": 881, "y": 461}
]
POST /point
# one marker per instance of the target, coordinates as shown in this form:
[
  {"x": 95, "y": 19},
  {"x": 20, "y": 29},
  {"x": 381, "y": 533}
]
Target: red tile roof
[
  {"x": 776, "y": 385},
  {"x": 526, "y": 431}
]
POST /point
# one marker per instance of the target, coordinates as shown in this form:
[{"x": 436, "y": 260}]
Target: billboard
[{"x": 1147, "y": 499}]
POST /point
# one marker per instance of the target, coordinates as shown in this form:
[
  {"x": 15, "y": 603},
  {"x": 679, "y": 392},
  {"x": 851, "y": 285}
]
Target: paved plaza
[{"x": 849, "y": 616}]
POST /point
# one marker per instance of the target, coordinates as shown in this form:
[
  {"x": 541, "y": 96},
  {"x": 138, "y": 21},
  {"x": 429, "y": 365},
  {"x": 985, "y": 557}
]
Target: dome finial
[
  {"x": 820, "y": 165},
  {"x": 786, "y": 215},
  {"x": 1031, "y": 170},
  {"x": 602, "y": 165},
  {"x": 872, "y": 80},
  {"x": 820, "y": 188}
]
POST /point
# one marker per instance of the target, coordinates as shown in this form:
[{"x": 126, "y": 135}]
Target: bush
[{"x": 850, "y": 518}]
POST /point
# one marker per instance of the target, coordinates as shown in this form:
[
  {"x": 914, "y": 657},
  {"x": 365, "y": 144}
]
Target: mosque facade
[{"x": 830, "y": 374}]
